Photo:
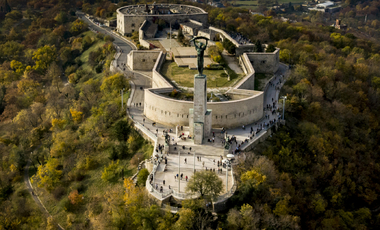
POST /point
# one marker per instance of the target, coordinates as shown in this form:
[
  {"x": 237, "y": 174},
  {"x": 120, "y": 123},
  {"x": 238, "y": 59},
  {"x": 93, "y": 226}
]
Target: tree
[
  {"x": 47, "y": 175},
  {"x": 75, "y": 197},
  {"x": 113, "y": 84},
  {"x": 110, "y": 171},
  {"x": 43, "y": 57},
  {"x": 142, "y": 177},
  {"x": 271, "y": 48},
  {"x": 207, "y": 183},
  {"x": 76, "y": 115},
  {"x": 77, "y": 27},
  {"x": 258, "y": 47},
  {"x": 121, "y": 130}
]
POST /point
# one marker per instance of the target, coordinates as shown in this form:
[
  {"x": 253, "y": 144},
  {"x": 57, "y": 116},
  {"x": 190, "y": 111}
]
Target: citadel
[{"x": 185, "y": 130}]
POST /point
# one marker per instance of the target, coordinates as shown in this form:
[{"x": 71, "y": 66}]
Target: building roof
[
  {"x": 325, "y": 4},
  {"x": 168, "y": 9}
]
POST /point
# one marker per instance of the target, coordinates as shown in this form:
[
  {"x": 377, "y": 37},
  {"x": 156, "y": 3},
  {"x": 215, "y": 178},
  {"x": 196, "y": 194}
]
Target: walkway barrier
[{"x": 172, "y": 209}]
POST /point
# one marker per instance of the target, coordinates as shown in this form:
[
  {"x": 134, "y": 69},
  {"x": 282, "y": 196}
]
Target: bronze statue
[{"x": 201, "y": 50}]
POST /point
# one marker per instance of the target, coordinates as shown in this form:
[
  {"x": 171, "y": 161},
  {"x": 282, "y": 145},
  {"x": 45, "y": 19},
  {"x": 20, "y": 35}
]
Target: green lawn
[
  {"x": 84, "y": 56},
  {"x": 185, "y": 76}
]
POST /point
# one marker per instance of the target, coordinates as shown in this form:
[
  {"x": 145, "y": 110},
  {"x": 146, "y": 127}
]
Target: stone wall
[
  {"x": 142, "y": 36},
  {"x": 142, "y": 60},
  {"x": 265, "y": 62},
  {"x": 128, "y": 23},
  {"x": 249, "y": 81},
  {"x": 228, "y": 114},
  {"x": 158, "y": 81}
]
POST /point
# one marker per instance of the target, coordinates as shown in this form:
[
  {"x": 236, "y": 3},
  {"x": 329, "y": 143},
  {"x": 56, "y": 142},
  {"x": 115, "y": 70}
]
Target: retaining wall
[
  {"x": 265, "y": 62},
  {"x": 142, "y": 60}
]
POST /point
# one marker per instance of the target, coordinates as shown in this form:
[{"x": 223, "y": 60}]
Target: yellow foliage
[
  {"x": 13, "y": 168},
  {"x": 75, "y": 197},
  {"x": 253, "y": 177},
  {"x": 47, "y": 175},
  {"x": 58, "y": 123},
  {"x": 77, "y": 116}
]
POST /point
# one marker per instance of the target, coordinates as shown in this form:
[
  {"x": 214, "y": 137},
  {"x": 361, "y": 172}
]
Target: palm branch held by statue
[{"x": 200, "y": 50}]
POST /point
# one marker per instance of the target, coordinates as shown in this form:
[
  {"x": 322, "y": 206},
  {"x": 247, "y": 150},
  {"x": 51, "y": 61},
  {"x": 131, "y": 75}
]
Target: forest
[{"x": 61, "y": 121}]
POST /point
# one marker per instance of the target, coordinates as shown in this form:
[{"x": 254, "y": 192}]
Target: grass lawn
[
  {"x": 84, "y": 56},
  {"x": 185, "y": 76}
]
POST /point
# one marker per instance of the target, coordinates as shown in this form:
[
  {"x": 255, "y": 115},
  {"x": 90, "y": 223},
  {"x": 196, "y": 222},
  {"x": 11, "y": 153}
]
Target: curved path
[{"x": 33, "y": 194}]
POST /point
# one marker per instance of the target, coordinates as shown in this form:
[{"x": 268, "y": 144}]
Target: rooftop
[{"x": 160, "y": 9}]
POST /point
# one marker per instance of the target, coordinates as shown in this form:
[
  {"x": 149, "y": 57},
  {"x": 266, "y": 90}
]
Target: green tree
[
  {"x": 207, "y": 183},
  {"x": 142, "y": 177},
  {"x": 110, "y": 171},
  {"x": 271, "y": 48},
  {"x": 258, "y": 47}
]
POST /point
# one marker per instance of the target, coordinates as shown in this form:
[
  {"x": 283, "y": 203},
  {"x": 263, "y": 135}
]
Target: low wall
[
  {"x": 240, "y": 49},
  {"x": 142, "y": 60},
  {"x": 249, "y": 81},
  {"x": 228, "y": 114},
  {"x": 265, "y": 62},
  {"x": 158, "y": 81}
]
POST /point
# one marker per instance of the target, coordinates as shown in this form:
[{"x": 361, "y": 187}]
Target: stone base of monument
[
  {"x": 198, "y": 133},
  {"x": 208, "y": 123},
  {"x": 191, "y": 122}
]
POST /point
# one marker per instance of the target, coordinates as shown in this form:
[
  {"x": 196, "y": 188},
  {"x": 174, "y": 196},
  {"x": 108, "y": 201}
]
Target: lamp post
[
  {"x": 194, "y": 164},
  {"x": 179, "y": 171},
  {"x": 283, "y": 107}
]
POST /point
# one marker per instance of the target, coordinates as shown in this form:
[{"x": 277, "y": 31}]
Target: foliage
[
  {"x": 142, "y": 177},
  {"x": 109, "y": 172},
  {"x": 47, "y": 175},
  {"x": 207, "y": 183},
  {"x": 75, "y": 197}
]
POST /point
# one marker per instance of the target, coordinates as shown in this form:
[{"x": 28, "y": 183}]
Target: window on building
[
  {"x": 133, "y": 24},
  {"x": 263, "y": 61},
  {"x": 133, "y": 31},
  {"x": 154, "y": 60},
  {"x": 143, "y": 60}
]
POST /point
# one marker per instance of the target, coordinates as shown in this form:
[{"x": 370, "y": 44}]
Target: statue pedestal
[{"x": 200, "y": 118}]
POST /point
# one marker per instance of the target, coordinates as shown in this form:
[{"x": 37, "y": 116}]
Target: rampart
[
  {"x": 265, "y": 62},
  {"x": 245, "y": 107},
  {"x": 142, "y": 60}
]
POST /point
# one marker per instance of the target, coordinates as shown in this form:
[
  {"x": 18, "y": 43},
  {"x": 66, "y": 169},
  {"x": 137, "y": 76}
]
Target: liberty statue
[{"x": 200, "y": 50}]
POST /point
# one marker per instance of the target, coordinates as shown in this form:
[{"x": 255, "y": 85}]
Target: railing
[
  {"x": 230, "y": 192},
  {"x": 172, "y": 209},
  {"x": 185, "y": 195}
]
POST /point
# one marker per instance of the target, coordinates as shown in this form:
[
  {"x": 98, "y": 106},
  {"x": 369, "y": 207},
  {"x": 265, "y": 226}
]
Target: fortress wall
[
  {"x": 265, "y": 62},
  {"x": 249, "y": 81},
  {"x": 128, "y": 23},
  {"x": 158, "y": 81},
  {"x": 226, "y": 114},
  {"x": 141, "y": 36},
  {"x": 142, "y": 60}
]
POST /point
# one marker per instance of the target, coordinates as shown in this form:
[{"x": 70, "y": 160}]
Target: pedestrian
[
  {"x": 186, "y": 178},
  {"x": 190, "y": 148},
  {"x": 175, "y": 178},
  {"x": 163, "y": 182},
  {"x": 197, "y": 158},
  {"x": 203, "y": 164},
  {"x": 213, "y": 139},
  {"x": 214, "y": 161},
  {"x": 144, "y": 120},
  {"x": 169, "y": 186}
]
